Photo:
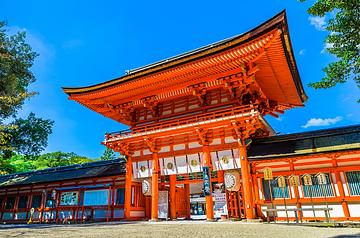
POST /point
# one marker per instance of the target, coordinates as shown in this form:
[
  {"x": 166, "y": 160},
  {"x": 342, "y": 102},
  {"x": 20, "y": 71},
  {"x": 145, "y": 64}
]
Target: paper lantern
[
  {"x": 232, "y": 180},
  {"x": 146, "y": 187}
]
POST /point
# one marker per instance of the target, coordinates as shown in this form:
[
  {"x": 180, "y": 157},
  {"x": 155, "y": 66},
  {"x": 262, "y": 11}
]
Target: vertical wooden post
[
  {"x": 155, "y": 187},
  {"x": 209, "y": 198},
  {"x": 128, "y": 179},
  {"x": 297, "y": 194},
  {"x": 344, "y": 204},
  {"x": 187, "y": 194},
  {"x": 220, "y": 175},
  {"x": 340, "y": 186},
  {"x": 172, "y": 196},
  {"x": 245, "y": 176}
]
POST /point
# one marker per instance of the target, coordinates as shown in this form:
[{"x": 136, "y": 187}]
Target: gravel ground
[{"x": 175, "y": 229}]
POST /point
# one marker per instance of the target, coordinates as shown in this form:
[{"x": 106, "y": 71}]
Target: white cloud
[
  {"x": 326, "y": 46},
  {"x": 302, "y": 52},
  {"x": 318, "y": 22},
  {"x": 322, "y": 122}
]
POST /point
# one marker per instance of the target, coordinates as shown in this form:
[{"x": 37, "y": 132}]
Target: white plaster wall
[
  {"x": 179, "y": 147},
  {"x": 194, "y": 145},
  {"x": 229, "y": 139},
  {"x": 354, "y": 210}
]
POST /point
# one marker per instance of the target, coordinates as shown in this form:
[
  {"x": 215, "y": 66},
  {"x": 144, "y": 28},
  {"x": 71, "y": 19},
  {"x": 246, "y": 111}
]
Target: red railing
[{"x": 183, "y": 121}]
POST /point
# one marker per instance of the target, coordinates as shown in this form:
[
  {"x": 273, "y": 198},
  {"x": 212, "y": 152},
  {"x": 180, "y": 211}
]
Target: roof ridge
[{"x": 311, "y": 134}]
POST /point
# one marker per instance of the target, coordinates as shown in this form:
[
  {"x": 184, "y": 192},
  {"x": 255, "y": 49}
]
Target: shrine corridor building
[{"x": 198, "y": 144}]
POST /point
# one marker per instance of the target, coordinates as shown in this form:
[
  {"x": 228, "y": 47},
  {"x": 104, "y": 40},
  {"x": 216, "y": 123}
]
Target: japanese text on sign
[
  {"x": 294, "y": 180},
  {"x": 268, "y": 174},
  {"x": 321, "y": 177},
  {"x": 281, "y": 182},
  {"x": 307, "y": 180}
]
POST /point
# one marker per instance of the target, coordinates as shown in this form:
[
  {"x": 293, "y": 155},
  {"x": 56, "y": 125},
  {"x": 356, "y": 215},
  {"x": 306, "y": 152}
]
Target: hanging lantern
[
  {"x": 232, "y": 180},
  {"x": 146, "y": 187}
]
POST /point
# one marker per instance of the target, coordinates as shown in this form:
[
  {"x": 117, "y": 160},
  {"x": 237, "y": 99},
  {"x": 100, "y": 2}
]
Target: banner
[
  {"x": 220, "y": 206},
  {"x": 206, "y": 181},
  {"x": 163, "y": 206}
]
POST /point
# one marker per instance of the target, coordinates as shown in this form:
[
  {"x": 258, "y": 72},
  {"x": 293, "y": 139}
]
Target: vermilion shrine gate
[{"x": 192, "y": 116}]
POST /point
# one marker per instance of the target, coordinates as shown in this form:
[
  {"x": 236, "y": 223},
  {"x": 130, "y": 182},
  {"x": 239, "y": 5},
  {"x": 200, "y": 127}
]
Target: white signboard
[
  {"x": 69, "y": 198},
  {"x": 220, "y": 206},
  {"x": 163, "y": 206}
]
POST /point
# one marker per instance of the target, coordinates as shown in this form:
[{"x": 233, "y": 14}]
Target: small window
[
  {"x": 276, "y": 191},
  {"x": 36, "y": 201},
  {"x": 22, "y": 202},
  {"x": 120, "y": 195},
  {"x": 96, "y": 197},
  {"x": 317, "y": 190},
  {"x": 10, "y": 202},
  {"x": 353, "y": 179}
]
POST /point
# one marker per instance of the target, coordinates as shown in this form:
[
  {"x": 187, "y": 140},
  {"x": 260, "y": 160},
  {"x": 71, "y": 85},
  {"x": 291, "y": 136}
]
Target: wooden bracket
[
  {"x": 243, "y": 131},
  {"x": 151, "y": 143},
  {"x": 124, "y": 148},
  {"x": 199, "y": 91},
  {"x": 203, "y": 136},
  {"x": 151, "y": 103},
  {"x": 125, "y": 110}
]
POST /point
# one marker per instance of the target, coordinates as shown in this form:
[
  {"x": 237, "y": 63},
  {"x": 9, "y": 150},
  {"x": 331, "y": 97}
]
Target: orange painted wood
[
  {"x": 209, "y": 199},
  {"x": 128, "y": 183},
  {"x": 155, "y": 187},
  {"x": 187, "y": 196},
  {"x": 181, "y": 203},
  {"x": 172, "y": 193},
  {"x": 245, "y": 175}
]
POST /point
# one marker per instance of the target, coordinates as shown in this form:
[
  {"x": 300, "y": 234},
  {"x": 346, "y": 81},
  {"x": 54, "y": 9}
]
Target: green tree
[
  {"x": 22, "y": 163},
  {"x": 108, "y": 154},
  {"x": 343, "y": 40},
  {"x": 29, "y": 136},
  {"x": 16, "y": 59}
]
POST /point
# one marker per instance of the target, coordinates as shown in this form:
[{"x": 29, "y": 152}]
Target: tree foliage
[
  {"x": 21, "y": 163},
  {"x": 108, "y": 154},
  {"x": 16, "y": 59},
  {"x": 26, "y": 136},
  {"x": 29, "y": 136},
  {"x": 343, "y": 40}
]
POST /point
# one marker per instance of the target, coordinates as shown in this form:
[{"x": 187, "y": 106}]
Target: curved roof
[
  {"x": 277, "y": 22},
  {"x": 266, "y": 47}
]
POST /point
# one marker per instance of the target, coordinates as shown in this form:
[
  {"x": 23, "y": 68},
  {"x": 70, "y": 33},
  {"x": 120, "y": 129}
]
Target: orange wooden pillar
[
  {"x": 172, "y": 194},
  {"x": 340, "y": 186},
  {"x": 220, "y": 175},
  {"x": 128, "y": 179},
  {"x": 155, "y": 187},
  {"x": 187, "y": 194},
  {"x": 344, "y": 204},
  {"x": 296, "y": 192},
  {"x": 245, "y": 176},
  {"x": 209, "y": 198}
]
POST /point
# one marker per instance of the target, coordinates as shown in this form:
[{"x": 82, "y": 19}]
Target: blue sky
[{"x": 87, "y": 42}]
